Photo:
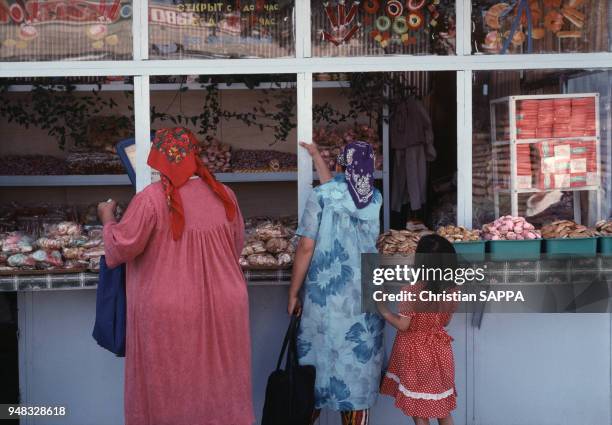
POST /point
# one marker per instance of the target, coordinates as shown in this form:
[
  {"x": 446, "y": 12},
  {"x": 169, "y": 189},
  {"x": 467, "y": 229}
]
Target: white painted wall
[{"x": 516, "y": 370}]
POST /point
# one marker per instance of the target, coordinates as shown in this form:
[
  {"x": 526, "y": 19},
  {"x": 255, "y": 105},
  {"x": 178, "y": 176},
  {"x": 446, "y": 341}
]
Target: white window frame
[{"x": 303, "y": 65}]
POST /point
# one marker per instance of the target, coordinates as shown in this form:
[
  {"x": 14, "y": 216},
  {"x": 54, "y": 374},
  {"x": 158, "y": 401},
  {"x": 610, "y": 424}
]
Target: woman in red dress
[
  {"x": 421, "y": 372},
  {"x": 188, "y": 352}
]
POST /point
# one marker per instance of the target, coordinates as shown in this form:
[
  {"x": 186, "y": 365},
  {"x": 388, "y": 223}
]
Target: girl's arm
[
  {"x": 320, "y": 165},
  {"x": 303, "y": 255},
  {"x": 401, "y": 323}
]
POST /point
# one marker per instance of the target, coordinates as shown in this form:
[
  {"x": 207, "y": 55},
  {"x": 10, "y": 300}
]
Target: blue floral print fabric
[{"x": 344, "y": 344}]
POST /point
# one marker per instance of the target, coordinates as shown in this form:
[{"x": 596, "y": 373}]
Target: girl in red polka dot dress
[{"x": 421, "y": 372}]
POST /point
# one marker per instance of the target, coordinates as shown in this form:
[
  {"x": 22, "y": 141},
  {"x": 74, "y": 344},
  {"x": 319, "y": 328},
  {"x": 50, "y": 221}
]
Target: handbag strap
[{"x": 289, "y": 341}]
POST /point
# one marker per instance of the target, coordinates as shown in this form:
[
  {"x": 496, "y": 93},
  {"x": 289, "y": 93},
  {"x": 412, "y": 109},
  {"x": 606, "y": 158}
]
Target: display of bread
[
  {"x": 567, "y": 229},
  {"x": 402, "y": 242},
  {"x": 604, "y": 227},
  {"x": 269, "y": 243},
  {"x": 398, "y": 242},
  {"x": 458, "y": 233}
]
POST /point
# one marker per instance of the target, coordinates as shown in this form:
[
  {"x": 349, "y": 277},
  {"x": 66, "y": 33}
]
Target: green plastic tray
[
  {"x": 528, "y": 249},
  {"x": 471, "y": 250},
  {"x": 570, "y": 246},
  {"x": 604, "y": 245}
]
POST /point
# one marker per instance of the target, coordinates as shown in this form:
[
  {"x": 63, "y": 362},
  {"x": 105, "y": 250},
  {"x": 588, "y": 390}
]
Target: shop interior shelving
[
  {"x": 255, "y": 177},
  {"x": 510, "y": 103},
  {"x": 123, "y": 180}
]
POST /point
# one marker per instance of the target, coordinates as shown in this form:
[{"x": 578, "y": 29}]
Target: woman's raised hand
[
  {"x": 106, "y": 211},
  {"x": 312, "y": 148}
]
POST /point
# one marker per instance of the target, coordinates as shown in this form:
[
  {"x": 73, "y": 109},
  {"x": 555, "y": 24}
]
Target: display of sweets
[
  {"x": 509, "y": 228},
  {"x": 270, "y": 243},
  {"x": 65, "y": 245},
  {"x": 94, "y": 163},
  {"x": 216, "y": 155},
  {"x": 26, "y": 165},
  {"x": 567, "y": 229},
  {"x": 331, "y": 142},
  {"x": 77, "y": 162},
  {"x": 263, "y": 160},
  {"x": 458, "y": 233},
  {"x": 604, "y": 227}
]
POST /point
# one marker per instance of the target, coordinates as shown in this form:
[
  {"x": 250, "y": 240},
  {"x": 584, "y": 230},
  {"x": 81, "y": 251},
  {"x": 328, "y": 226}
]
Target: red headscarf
[{"x": 175, "y": 154}]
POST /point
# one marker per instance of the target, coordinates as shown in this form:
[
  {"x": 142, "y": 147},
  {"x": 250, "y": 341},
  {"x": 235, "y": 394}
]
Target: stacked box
[
  {"x": 565, "y": 164},
  {"x": 558, "y": 117}
]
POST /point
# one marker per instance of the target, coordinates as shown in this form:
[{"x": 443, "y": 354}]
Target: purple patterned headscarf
[{"x": 358, "y": 160}]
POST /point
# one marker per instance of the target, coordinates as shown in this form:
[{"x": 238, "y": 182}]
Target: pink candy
[{"x": 510, "y": 228}]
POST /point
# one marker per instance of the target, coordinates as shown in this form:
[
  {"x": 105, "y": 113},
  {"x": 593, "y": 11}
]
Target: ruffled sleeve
[
  {"x": 311, "y": 217},
  {"x": 127, "y": 239}
]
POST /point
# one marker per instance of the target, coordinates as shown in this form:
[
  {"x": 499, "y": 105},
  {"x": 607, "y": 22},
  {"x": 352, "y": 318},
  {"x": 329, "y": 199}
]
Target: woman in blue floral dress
[{"x": 339, "y": 223}]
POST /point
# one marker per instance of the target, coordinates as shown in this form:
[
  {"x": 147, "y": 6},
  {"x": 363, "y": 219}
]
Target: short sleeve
[
  {"x": 127, "y": 239},
  {"x": 311, "y": 217}
]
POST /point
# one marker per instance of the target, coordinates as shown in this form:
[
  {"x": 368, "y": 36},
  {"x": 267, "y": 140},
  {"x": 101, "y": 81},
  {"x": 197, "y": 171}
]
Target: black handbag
[{"x": 290, "y": 392}]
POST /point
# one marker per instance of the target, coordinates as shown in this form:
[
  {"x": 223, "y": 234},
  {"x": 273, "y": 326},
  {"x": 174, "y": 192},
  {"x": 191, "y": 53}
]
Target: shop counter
[
  {"x": 89, "y": 280},
  {"x": 510, "y": 354}
]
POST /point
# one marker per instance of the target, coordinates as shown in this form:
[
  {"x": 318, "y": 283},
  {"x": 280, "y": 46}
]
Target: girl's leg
[
  {"x": 355, "y": 417},
  {"x": 315, "y": 416},
  {"x": 446, "y": 421},
  {"x": 420, "y": 421}
]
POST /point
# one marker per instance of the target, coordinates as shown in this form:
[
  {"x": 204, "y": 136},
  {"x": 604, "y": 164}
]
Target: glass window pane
[
  {"x": 540, "y": 26},
  {"x": 378, "y": 27},
  {"x": 409, "y": 117},
  {"x": 60, "y": 29},
  {"x": 58, "y": 160},
  {"x": 221, "y": 29},
  {"x": 542, "y": 145}
]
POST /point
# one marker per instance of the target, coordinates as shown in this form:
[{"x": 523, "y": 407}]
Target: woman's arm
[
  {"x": 401, "y": 323},
  {"x": 320, "y": 165},
  {"x": 127, "y": 239},
  {"x": 303, "y": 255}
]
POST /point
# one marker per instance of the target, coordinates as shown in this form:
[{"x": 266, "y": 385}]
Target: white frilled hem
[{"x": 421, "y": 396}]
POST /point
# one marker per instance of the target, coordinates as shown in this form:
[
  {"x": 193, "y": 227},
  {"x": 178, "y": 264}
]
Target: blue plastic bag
[{"x": 109, "y": 328}]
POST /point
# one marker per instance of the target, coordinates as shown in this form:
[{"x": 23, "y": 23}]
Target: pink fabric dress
[{"x": 188, "y": 357}]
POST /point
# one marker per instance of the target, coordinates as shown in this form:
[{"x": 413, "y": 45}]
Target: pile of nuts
[
  {"x": 509, "y": 228},
  {"x": 566, "y": 229},
  {"x": 458, "y": 233},
  {"x": 604, "y": 227},
  {"x": 216, "y": 155}
]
